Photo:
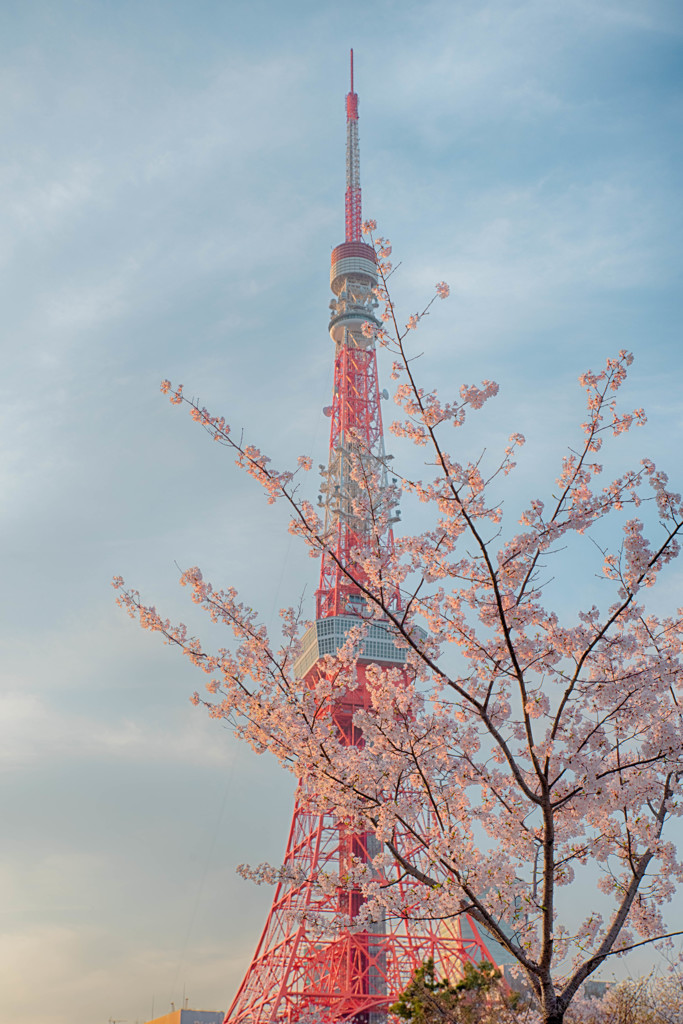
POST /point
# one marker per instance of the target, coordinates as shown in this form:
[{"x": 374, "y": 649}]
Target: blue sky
[{"x": 171, "y": 185}]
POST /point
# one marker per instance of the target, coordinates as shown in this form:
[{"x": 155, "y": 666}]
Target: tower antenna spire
[{"x": 353, "y": 198}]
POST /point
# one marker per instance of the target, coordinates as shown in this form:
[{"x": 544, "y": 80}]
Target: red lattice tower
[{"x": 349, "y": 975}]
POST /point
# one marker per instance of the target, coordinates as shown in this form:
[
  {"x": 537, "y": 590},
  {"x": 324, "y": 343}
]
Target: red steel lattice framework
[{"x": 296, "y": 974}]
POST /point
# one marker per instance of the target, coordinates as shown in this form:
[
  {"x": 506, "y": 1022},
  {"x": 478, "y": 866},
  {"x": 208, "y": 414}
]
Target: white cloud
[
  {"x": 170, "y": 205},
  {"x": 44, "y": 205},
  {"x": 33, "y": 730}
]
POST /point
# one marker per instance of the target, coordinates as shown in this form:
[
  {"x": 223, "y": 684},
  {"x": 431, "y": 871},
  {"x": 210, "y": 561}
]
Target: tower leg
[{"x": 297, "y": 973}]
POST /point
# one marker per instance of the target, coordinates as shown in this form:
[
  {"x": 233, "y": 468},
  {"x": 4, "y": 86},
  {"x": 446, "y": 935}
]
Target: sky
[{"x": 171, "y": 186}]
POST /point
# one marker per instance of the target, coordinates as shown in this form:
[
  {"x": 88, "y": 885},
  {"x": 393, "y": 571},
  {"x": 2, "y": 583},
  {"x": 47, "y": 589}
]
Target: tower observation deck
[{"x": 350, "y": 975}]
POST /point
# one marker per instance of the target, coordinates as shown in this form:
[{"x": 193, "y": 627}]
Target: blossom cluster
[{"x": 558, "y": 738}]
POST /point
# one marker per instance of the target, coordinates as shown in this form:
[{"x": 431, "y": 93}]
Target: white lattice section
[{"x": 326, "y": 636}]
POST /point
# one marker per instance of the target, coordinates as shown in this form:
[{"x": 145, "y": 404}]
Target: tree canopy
[{"x": 521, "y": 750}]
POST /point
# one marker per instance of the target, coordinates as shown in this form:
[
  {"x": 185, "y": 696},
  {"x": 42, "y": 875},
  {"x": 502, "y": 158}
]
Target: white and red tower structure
[{"x": 350, "y": 974}]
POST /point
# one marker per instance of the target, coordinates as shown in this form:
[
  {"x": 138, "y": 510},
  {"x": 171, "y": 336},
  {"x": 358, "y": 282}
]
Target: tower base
[{"x": 298, "y": 974}]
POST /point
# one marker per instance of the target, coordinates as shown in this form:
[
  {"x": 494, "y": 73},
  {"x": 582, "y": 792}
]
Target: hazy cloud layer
[{"x": 172, "y": 184}]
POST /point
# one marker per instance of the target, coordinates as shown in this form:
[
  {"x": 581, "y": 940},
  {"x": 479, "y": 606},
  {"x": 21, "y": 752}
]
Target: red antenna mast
[
  {"x": 349, "y": 975},
  {"x": 353, "y": 197}
]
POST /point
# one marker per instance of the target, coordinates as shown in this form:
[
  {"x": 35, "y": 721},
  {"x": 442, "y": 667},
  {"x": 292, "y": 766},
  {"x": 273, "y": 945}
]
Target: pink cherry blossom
[{"x": 524, "y": 747}]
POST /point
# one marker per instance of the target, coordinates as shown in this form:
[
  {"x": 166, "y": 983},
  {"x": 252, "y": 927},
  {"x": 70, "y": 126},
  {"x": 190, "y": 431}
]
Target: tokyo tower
[{"x": 350, "y": 975}]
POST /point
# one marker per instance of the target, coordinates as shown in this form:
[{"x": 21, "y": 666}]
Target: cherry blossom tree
[
  {"x": 654, "y": 999},
  {"x": 529, "y": 758}
]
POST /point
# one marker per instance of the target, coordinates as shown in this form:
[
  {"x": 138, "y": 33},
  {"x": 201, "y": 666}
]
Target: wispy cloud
[
  {"x": 34, "y": 730},
  {"x": 168, "y": 201}
]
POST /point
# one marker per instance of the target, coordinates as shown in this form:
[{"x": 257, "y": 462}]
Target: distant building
[
  {"x": 467, "y": 932},
  {"x": 190, "y": 1017},
  {"x": 595, "y": 989}
]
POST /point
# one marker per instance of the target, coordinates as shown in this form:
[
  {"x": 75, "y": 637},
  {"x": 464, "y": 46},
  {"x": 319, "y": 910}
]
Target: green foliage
[{"x": 471, "y": 1000}]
